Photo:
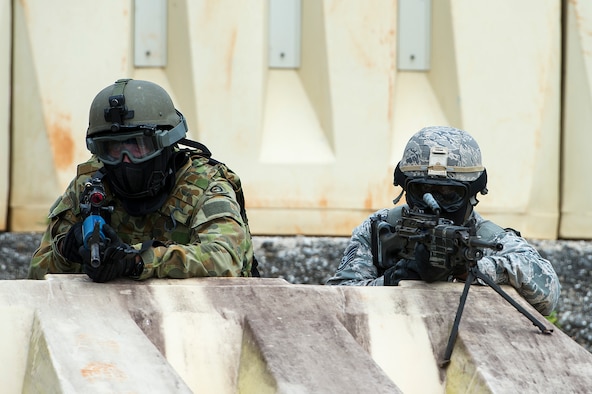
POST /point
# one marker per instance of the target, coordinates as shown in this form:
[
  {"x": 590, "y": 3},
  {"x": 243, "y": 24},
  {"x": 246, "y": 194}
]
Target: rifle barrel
[
  {"x": 476, "y": 242},
  {"x": 95, "y": 255}
]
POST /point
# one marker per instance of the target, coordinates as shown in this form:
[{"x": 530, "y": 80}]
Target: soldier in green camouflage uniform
[
  {"x": 176, "y": 212},
  {"x": 442, "y": 159}
]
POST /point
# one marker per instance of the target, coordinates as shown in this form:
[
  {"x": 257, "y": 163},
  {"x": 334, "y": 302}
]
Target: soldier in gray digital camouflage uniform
[
  {"x": 446, "y": 162},
  {"x": 175, "y": 212}
]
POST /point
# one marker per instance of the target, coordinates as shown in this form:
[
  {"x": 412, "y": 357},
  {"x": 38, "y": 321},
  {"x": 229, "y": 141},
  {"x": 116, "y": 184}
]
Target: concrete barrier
[{"x": 258, "y": 335}]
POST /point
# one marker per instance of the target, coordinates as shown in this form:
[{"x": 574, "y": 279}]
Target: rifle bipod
[{"x": 472, "y": 274}]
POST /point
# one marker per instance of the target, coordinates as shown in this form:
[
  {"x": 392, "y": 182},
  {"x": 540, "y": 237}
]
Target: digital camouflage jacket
[
  {"x": 518, "y": 264},
  {"x": 199, "y": 228}
]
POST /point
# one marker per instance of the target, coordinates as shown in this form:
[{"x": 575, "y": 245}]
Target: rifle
[
  {"x": 451, "y": 247},
  {"x": 92, "y": 206}
]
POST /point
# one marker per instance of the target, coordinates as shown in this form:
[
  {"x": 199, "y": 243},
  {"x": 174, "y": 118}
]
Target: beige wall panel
[
  {"x": 61, "y": 60},
  {"x": 5, "y": 46},
  {"x": 311, "y": 145},
  {"x": 576, "y": 211},
  {"x": 314, "y": 146},
  {"x": 501, "y": 85},
  {"x": 508, "y": 59},
  {"x": 505, "y": 79}
]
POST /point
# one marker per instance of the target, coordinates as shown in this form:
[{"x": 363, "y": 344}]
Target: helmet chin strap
[{"x": 398, "y": 198}]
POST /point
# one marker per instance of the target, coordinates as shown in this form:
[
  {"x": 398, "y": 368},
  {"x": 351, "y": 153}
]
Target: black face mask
[
  {"x": 140, "y": 180},
  {"x": 143, "y": 187},
  {"x": 458, "y": 217}
]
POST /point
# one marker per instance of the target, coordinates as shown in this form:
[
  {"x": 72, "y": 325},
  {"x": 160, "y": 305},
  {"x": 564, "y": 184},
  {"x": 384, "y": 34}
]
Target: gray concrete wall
[
  {"x": 311, "y": 260},
  {"x": 67, "y": 334}
]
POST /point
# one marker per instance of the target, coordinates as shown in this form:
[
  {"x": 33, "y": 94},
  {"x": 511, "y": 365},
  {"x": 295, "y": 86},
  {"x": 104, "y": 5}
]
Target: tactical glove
[
  {"x": 403, "y": 270},
  {"x": 460, "y": 272},
  {"x": 71, "y": 244},
  {"x": 425, "y": 269},
  {"x": 117, "y": 260}
]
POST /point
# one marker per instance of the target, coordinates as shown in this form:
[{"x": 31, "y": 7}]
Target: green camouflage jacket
[
  {"x": 518, "y": 264},
  {"x": 199, "y": 227}
]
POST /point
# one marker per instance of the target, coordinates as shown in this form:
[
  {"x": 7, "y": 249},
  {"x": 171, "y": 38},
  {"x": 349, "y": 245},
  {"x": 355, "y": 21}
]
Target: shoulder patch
[{"x": 216, "y": 189}]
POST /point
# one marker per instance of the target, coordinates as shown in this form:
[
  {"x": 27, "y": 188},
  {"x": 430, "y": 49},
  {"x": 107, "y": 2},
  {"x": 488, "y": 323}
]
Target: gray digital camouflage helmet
[{"x": 442, "y": 152}]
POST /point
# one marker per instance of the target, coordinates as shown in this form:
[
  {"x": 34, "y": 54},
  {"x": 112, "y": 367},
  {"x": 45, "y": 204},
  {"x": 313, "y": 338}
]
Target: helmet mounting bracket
[{"x": 117, "y": 111}]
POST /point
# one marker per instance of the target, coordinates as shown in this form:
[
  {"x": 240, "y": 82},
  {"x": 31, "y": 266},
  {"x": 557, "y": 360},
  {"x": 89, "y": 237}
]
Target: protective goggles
[
  {"x": 450, "y": 195},
  {"x": 139, "y": 144},
  {"x": 138, "y": 148}
]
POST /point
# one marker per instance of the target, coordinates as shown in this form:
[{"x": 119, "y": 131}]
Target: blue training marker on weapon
[{"x": 92, "y": 233}]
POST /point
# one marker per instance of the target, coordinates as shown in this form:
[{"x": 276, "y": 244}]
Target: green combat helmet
[
  {"x": 133, "y": 128},
  {"x": 445, "y": 162},
  {"x": 131, "y": 105}
]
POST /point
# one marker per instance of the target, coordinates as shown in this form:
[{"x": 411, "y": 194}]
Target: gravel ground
[{"x": 312, "y": 260}]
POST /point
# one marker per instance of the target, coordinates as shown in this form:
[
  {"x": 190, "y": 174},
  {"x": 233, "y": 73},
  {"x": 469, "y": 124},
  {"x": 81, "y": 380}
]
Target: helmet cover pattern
[{"x": 463, "y": 154}]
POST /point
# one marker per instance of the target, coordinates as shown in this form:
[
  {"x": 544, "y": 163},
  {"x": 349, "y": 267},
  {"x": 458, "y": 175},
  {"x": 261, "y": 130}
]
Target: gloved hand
[
  {"x": 426, "y": 271},
  {"x": 118, "y": 259},
  {"x": 71, "y": 244},
  {"x": 403, "y": 270},
  {"x": 460, "y": 271}
]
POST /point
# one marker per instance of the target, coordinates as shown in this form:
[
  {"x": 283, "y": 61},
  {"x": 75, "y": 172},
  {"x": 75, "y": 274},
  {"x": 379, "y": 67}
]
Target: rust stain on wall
[
  {"x": 368, "y": 201},
  {"x": 230, "y": 58},
  {"x": 391, "y": 77},
  {"x": 85, "y": 341},
  {"x": 101, "y": 370},
  {"x": 61, "y": 142}
]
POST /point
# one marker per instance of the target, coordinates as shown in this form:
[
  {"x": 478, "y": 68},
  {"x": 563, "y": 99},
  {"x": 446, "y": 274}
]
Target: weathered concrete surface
[
  {"x": 68, "y": 335},
  {"x": 312, "y": 260}
]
